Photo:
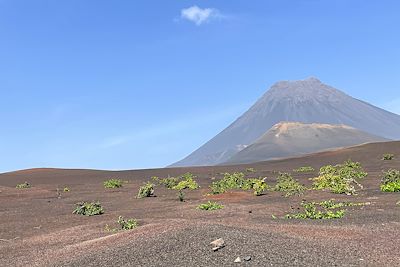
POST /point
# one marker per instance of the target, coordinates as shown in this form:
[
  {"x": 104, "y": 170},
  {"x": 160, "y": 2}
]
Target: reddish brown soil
[{"x": 39, "y": 229}]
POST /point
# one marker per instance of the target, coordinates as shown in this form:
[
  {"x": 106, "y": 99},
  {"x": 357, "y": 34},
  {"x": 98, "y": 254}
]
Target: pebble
[
  {"x": 219, "y": 243},
  {"x": 247, "y": 258}
]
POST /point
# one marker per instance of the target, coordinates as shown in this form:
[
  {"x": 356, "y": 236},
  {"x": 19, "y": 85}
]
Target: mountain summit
[{"x": 306, "y": 101}]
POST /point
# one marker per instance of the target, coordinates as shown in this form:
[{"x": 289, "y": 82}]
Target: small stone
[
  {"x": 218, "y": 243},
  {"x": 247, "y": 258},
  {"x": 238, "y": 259}
]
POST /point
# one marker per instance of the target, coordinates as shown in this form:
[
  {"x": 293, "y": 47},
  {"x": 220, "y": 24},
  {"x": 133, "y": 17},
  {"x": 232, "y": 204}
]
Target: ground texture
[{"x": 37, "y": 228}]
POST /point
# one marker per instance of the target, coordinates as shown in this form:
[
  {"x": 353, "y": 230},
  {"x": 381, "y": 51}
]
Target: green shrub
[
  {"x": 387, "y": 157},
  {"x": 210, "y": 205},
  {"x": 146, "y": 190},
  {"x": 66, "y": 189},
  {"x": 391, "y": 187},
  {"x": 181, "y": 195},
  {"x": 391, "y": 181},
  {"x": 286, "y": 183},
  {"x": 186, "y": 182},
  {"x": 304, "y": 169},
  {"x": 236, "y": 180},
  {"x": 313, "y": 210},
  {"x": 258, "y": 185},
  {"x": 230, "y": 181},
  {"x": 113, "y": 183},
  {"x": 168, "y": 182},
  {"x": 341, "y": 178},
  {"x": 127, "y": 224},
  {"x": 23, "y": 185},
  {"x": 88, "y": 209}
]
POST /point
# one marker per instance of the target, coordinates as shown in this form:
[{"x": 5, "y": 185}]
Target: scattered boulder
[{"x": 238, "y": 259}]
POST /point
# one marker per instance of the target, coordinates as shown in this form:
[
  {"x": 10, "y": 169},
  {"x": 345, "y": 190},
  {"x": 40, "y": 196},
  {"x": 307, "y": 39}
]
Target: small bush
[
  {"x": 230, "y": 181},
  {"x": 341, "y": 178},
  {"x": 113, "y": 183},
  {"x": 258, "y": 185},
  {"x": 391, "y": 181},
  {"x": 146, "y": 190},
  {"x": 236, "y": 180},
  {"x": 127, "y": 224},
  {"x": 186, "y": 182},
  {"x": 23, "y": 185},
  {"x": 168, "y": 182},
  {"x": 286, "y": 183},
  {"x": 387, "y": 157},
  {"x": 88, "y": 209},
  {"x": 313, "y": 210},
  {"x": 181, "y": 195},
  {"x": 66, "y": 189},
  {"x": 304, "y": 169},
  {"x": 210, "y": 205}
]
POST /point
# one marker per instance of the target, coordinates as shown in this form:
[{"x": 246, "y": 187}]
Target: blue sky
[{"x": 138, "y": 84}]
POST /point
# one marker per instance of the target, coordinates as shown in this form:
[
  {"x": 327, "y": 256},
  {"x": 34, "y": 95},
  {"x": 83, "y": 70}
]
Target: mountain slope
[
  {"x": 289, "y": 139},
  {"x": 308, "y": 101}
]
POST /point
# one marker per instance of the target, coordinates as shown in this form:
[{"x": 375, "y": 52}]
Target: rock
[
  {"x": 219, "y": 243},
  {"x": 247, "y": 258},
  {"x": 238, "y": 259}
]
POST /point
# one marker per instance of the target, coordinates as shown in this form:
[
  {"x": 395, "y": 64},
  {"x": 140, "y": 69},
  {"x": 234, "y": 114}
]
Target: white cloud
[{"x": 200, "y": 15}]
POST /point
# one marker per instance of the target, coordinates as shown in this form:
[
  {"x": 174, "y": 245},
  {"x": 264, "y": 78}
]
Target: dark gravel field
[{"x": 37, "y": 227}]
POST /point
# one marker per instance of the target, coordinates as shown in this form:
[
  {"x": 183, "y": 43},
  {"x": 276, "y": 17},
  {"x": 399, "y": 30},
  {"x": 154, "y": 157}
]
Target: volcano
[{"x": 305, "y": 101}]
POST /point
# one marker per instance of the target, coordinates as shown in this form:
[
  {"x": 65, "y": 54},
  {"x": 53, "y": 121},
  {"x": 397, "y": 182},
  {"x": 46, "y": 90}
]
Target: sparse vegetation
[
  {"x": 127, "y": 224},
  {"x": 23, "y": 185},
  {"x": 313, "y": 210},
  {"x": 391, "y": 181},
  {"x": 388, "y": 156},
  {"x": 168, "y": 182},
  {"x": 210, "y": 205},
  {"x": 113, "y": 183},
  {"x": 230, "y": 181},
  {"x": 259, "y": 186},
  {"x": 66, "y": 189},
  {"x": 146, "y": 190},
  {"x": 181, "y": 195},
  {"x": 124, "y": 224},
  {"x": 286, "y": 183},
  {"x": 236, "y": 180},
  {"x": 88, "y": 209},
  {"x": 186, "y": 182},
  {"x": 304, "y": 169},
  {"x": 328, "y": 209},
  {"x": 341, "y": 178}
]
